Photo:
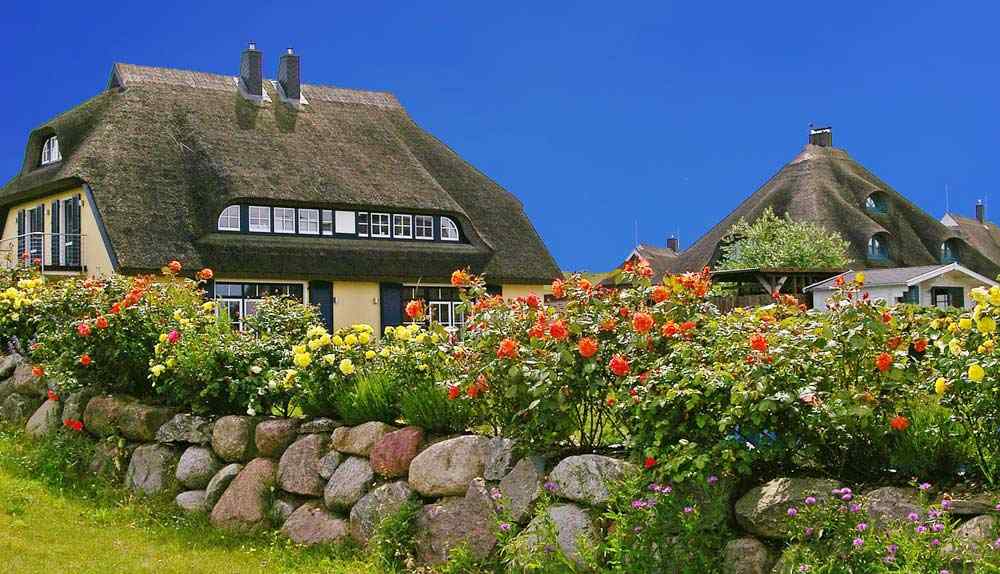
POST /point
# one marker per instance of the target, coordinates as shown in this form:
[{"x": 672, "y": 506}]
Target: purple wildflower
[
  {"x": 847, "y": 497},
  {"x": 946, "y": 504},
  {"x": 913, "y": 516},
  {"x": 935, "y": 543},
  {"x": 937, "y": 527},
  {"x": 505, "y": 526},
  {"x": 924, "y": 486},
  {"x": 809, "y": 531},
  {"x": 861, "y": 527},
  {"x": 892, "y": 548},
  {"x": 805, "y": 568},
  {"x": 855, "y": 508},
  {"x": 996, "y": 544},
  {"x": 688, "y": 510},
  {"x": 792, "y": 511},
  {"x": 921, "y": 529},
  {"x": 810, "y": 500},
  {"x": 712, "y": 480},
  {"x": 495, "y": 493},
  {"x": 858, "y": 542},
  {"x": 550, "y": 486}
]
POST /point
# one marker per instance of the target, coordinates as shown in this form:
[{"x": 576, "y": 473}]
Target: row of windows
[{"x": 264, "y": 219}]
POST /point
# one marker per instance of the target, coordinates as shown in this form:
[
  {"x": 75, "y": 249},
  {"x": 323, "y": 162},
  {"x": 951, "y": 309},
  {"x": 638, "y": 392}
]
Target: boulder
[
  {"x": 499, "y": 458},
  {"x": 6, "y": 389},
  {"x": 522, "y": 486},
  {"x": 763, "y": 510},
  {"x": 220, "y": 482},
  {"x": 243, "y": 506},
  {"x": 192, "y": 501},
  {"x": 573, "y": 528},
  {"x": 186, "y": 428},
  {"x": 232, "y": 438},
  {"x": 392, "y": 454},
  {"x": 25, "y": 383},
  {"x": 329, "y": 463},
  {"x": 75, "y": 404},
  {"x": 312, "y": 524},
  {"x": 977, "y": 532},
  {"x": 8, "y": 363},
  {"x": 891, "y": 503},
  {"x": 17, "y": 409},
  {"x": 445, "y": 468},
  {"x": 45, "y": 420},
  {"x": 973, "y": 503},
  {"x": 273, "y": 436},
  {"x": 197, "y": 466},
  {"x": 359, "y": 440},
  {"x": 348, "y": 484},
  {"x": 111, "y": 459},
  {"x": 384, "y": 501},
  {"x": 284, "y": 505},
  {"x": 586, "y": 478},
  {"x": 747, "y": 556},
  {"x": 106, "y": 415},
  {"x": 298, "y": 471},
  {"x": 468, "y": 521},
  {"x": 152, "y": 468},
  {"x": 320, "y": 425}
]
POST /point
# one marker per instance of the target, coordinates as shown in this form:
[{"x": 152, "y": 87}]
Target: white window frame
[
  {"x": 449, "y": 230},
  {"x": 384, "y": 223},
  {"x": 282, "y": 217},
  {"x": 255, "y": 213},
  {"x": 50, "y": 150},
  {"x": 345, "y": 222},
  {"x": 428, "y": 225},
  {"x": 308, "y": 221},
  {"x": 364, "y": 222},
  {"x": 327, "y": 219},
  {"x": 402, "y": 226},
  {"x": 225, "y": 222}
]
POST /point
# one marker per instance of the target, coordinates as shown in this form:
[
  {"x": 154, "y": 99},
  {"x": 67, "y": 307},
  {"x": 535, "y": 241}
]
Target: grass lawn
[{"x": 79, "y": 528}]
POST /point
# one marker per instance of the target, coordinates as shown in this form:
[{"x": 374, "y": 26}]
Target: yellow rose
[
  {"x": 369, "y": 354},
  {"x": 330, "y": 359},
  {"x": 346, "y": 366},
  {"x": 208, "y": 306},
  {"x": 402, "y": 334},
  {"x": 351, "y": 340},
  {"x": 385, "y": 352},
  {"x": 365, "y": 338},
  {"x": 995, "y": 295},
  {"x": 987, "y": 325},
  {"x": 337, "y": 340},
  {"x": 965, "y": 323},
  {"x": 978, "y": 294},
  {"x": 859, "y": 278},
  {"x": 315, "y": 331},
  {"x": 314, "y": 344},
  {"x": 302, "y": 360},
  {"x": 325, "y": 339},
  {"x": 976, "y": 373},
  {"x": 157, "y": 370},
  {"x": 940, "y": 385},
  {"x": 389, "y": 331},
  {"x": 935, "y": 324},
  {"x": 299, "y": 349},
  {"x": 163, "y": 337},
  {"x": 171, "y": 362},
  {"x": 955, "y": 346}
]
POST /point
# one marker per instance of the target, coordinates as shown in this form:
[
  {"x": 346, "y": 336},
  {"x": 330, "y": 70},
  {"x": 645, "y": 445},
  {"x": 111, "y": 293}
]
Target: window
[
  {"x": 65, "y": 239},
  {"x": 50, "y": 151},
  {"x": 229, "y": 219},
  {"x": 402, "y": 226},
  {"x": 380, "y": 225},
  {"x": 326, "y": 223},
  {"x": 945, "y": 297},
  {"x": 949, "y": 251},
  {"x": 876, "y": 203},
  {"x": 284, "y": 220},
  {"x": 260, "y": 219},
  {"x": 449, "y": 231},
  {"x": 423, "y": 225},
  {"x": 31, "y": 234},
  {"x": 912, "y": 295},
  {"x": 309, "y": 221},
  {"x": 363, "y": 224},
  {"x": 878, "y": 247},
  {"x": 346, "y": 222},
  {"x": 240, "y": 300},
  {"x": 443, "y": 305}
]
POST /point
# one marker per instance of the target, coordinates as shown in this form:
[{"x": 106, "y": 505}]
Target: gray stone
[
  {"x": 45, "y": 420},
  {"x": 359, "y": 440},
  {"x": 445, "y": 468},
  {"x": 977, "y": 531},
  {"x": 329, "y": 463},
  {"x": 186, "y": 428},
  {"x": 8, "y": 363},
  {"x": 232, "y": 438},
  {"x": 384, "y": 501},
  {"x": 320, "y": 425},
  {"x": 468, "y": 521},
  {"x": 220, "y": 482},
  {"x": 747, "y": 556},
  {"x": 197, "y": 466},
  {"x": 587, "y": 477},
  {"x": 192, "y": 501},
  {"x": 6, "y": 389},
  {"x": 348, "y": 484},
  {"x": 273, "y": 436},
  {"x": 392, "y": 454},
  {"x": 75, "y": 404},
  {"x": 151, "y": 470},
  {"x": 573, "y": 527},
  {"x": 522, "y": 486},
  {"x": 312, "y": 524},
  {"x": 973, "y": 503},
  {"x": 25, "y": 383},
  {"x": 891, "y": 503},
  {"x": 108, "y": 415},
  {"x": 499, "y": 458},
  {"x": 284, "y": 505},
  {"x": 111, "y": 459},
  {"x": 244, "y": 505},
  {"x": 17, "y": 409},
  {"x": 298, "y": 471},
  {"x": 763, "y": 510}
]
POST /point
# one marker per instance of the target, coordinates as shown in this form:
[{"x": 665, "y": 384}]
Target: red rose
[
  {"x": 73, "y": 424},
  {"x": 174, "y": 266},
  {"x": 587, "y": 347},
  {"x": 669, "y": 329},
  {"x": 453, "y": 392},
  {"x": 899, "y": 423},
  {"x": 173, "y": 336},
  {"x": 102, "y": 322},
  {"x": 558, "y": 289},
  {"x": 37, "y": 371},
  {"x": 415, "y": 309},
  {"x": 537, "y": 331},
  {"x": 83, "y": 330},
  {"x": 619, "y": 365},
  {"x": 558, "y": 331},
  {"x": 883, "y": 362},
  {"x": 687, "y": 326},
  {"x": 116, "y": 308},
  {"x": 532, "y": 301},
  {"x": 52, "y": 395},
  {"x": 758, "y": 342},
  {"x": 642, "y": 322},
  {"x": 85, "y": 360},
  {"x": 649, "y": 463},
  {"x": 660, "y": 294},
  {"x": 886, "y": 316},
  {"x": 507, "y": 349},
  {"x": 585, "y": 285},
  {"x": 206, "y": 274},
  {"x": 920, "y": 345}
]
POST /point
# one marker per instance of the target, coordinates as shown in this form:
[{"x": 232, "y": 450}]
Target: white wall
[{"x": 892, "y": 293}]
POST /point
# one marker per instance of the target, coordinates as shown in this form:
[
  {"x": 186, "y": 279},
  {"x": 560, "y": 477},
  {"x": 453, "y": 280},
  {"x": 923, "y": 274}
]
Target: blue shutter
[
  {"x": 56, "y": 238},
  {"x": 321, "y": 295},
  {"x": 391, "y": 301},
  {"x": 21, "y": 244}
]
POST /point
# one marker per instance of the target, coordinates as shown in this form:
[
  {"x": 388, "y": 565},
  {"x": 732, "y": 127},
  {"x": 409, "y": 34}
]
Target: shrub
[
  {"x": 21, "y": 288},
  {"x": 391, "y": 546},
  {"x": 325, "y": 366},
  {"x": 427, "y": 405},
  {"x": 374, "y": 396}
]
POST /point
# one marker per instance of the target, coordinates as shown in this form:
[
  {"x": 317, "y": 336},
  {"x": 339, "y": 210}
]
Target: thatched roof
[
  {"x": 827, "y": 186},
  {"x": 164, "y": 151}
]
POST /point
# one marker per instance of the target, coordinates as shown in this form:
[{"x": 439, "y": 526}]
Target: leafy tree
[{"x": 772, "y": 241}]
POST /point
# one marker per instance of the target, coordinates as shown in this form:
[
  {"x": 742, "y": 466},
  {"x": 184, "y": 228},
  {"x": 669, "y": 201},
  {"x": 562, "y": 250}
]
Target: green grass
[{"x": 51, "y": 525}]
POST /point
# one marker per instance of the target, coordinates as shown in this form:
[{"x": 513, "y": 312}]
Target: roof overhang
[{"x": 916, "y": 279}]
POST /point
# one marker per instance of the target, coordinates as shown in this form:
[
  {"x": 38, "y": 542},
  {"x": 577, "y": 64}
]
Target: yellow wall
[
  {"x": 357, "y": 302},
  {"x": 511, "y": 291},
  {"x": 95, "y": 257}
]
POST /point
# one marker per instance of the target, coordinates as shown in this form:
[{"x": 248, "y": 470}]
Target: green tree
[{"x": 772, "y": 241}]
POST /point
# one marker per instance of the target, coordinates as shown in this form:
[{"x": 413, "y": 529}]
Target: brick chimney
[
  {"x": 673, "y": 244},
  {"x": 822, "y": 137},
  {"x": 289, "y": 75},
  {"x": 980, "y": 211},
  {"x": 251, "y": 71}
]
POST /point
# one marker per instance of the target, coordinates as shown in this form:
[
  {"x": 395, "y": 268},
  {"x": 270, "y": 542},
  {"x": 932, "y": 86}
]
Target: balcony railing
[{"x": 49, "y": 251}]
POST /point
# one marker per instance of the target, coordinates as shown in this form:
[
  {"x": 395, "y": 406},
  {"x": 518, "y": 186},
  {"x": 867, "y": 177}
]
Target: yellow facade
[
  {"x": 356, "y": 302},
  {"x": 95, "y": 257},
  {"x": 511, "y": 291}
]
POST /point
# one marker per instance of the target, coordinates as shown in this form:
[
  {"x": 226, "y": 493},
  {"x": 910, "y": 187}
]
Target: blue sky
[{"x": 599, "y": 116}]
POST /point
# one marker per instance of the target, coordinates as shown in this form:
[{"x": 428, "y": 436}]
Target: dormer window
[
  {"x": 229, "y": 219},
  {"x": 876, "y": 203},
  {"x": 949, "y": 251},
  {"x": 50, "y": 151},
  {"x": 878, "y": 247},
  {"x": 449, "y": 230}
]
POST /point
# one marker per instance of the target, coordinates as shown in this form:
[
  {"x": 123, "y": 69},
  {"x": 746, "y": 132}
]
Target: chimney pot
[
  {"x": 251, "y": 71},
  {"x": 289, "y": 75},
  {"x": 822, "y": 137},
  {"x": 673, "y": 244},
  {"x": 980, "y": 211}
]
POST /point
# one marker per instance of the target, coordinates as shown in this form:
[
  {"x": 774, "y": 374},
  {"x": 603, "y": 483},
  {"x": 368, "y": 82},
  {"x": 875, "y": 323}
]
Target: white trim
[
  {"x": 458, "y": 232},
  {"x": 308, "y": 220},
  {"x": 372, "y": 224},
  {"x": 50, "y": 150},
  {"x": 947, "y": 268},
  {"x": 345, "y": 222},
  {"x": 259, "y": 228},
  {"x": 284, "y": 211},
  {"x": 812, "y": 286},
  {"x": 409, "y": 224},
  {"x": 225, "y": 213},
  {"x": 415, "y": 227}
]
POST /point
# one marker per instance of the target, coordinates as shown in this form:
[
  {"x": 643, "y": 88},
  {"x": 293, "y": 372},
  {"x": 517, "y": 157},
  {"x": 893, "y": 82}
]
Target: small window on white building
[
  {"x": 309, "y": 221},
  {"x": 402, "y": 226},
  {"x": 449, "y": 231},
  {"x": 423, "y": 226},
  {"x": 380, "y": 225},
  {"x": 260, "y": 219},
  {"x": 326, "y": 223},
  {"x": 284, "y": 220},
  {"x": 50, "y": 151},
  {"x": 229, "y": 219}
]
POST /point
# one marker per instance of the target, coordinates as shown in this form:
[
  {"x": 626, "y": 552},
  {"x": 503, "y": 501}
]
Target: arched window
[
  {"x": 449, "y": 230},
  {"x": 229, "y": 219},
  {"x": 50, "y": 151},
  {"x": 949, "y": 251},
  {"x": 876, "y": 203},
  {"x": 878, "y": 247}
]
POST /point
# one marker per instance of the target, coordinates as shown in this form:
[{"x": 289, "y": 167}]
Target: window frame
[
  {"x": 949, "y": 251},
  {"x": 882, "y": 253},
  {"x": 302, "y": 216},
  {"x": 363, "y": 221},
  {"x": 259, "y": 229},
  {"x": 416, "y": 227},
  {"x": 50, "y": 151},
  {"x": 284, "y": 218},
  {"x": 876, "y": 203},
  {"x": 454, "y": 227},
  {"x": 386, "y": 225},
  {"x": 247, "y": 306},
  {"x": 323, "y": 222},
  {"x": 402, "y": 221},
  {"x": 226, "y": 213}
]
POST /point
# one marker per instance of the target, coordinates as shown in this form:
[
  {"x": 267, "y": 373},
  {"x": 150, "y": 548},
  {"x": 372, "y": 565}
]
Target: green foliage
[
  {"x": 391, "y": 546},
  {"x": 426, "y": 405},
  {"x": 374, "y": 396},
  {"x": 772, "y": 241},
  {"x": 20, "y": 289},
  {"x": 61, "y": 459},
  {"x": 934, "y": 447},
  {"x": 536, "y": 548}
]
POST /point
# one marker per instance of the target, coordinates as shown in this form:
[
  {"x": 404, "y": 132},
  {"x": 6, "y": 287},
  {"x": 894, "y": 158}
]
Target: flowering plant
[{"x": 21, "y": 288}]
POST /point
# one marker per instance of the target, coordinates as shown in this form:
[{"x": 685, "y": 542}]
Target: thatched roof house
[{"x": 266, "y": 181}]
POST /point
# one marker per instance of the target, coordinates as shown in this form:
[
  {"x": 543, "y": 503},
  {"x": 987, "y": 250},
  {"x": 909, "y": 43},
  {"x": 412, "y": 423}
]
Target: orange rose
[
  {"x": 587, "y": 347},
  {"x": 174, "y": 267}
]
